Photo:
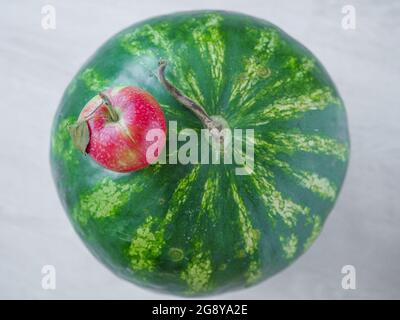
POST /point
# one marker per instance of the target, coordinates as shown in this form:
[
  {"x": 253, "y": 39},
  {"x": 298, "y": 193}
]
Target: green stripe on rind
[
  {"x": 198, "y": 271},
  {"x": 316, "y": 223},
  {"x": 289, "y": 245},
  {"x": 137, "y": 43},
  {"x": 312, "y": 181},
  {"x": 278, "y": 205},
  {"x": 250, "y": 235},
  {"x": 207, "y": 36},
  {"x": 146, "y": 245},
  {"x": 262, "y": 78},
  {"x": 93, "y": 80},
  {"x": 62, "y": 144},
  {"x": 104, "y": 200},
  {"x": 294, "y": 107},
  {"x": 210, "y": 197},
  {"x": 281, "y": 86},
  {"x": 316, "y": 184},
  {"x": 291, "y": 142},
  {"x": 256, "y": 68},
  {"x": 253, "y": 273},
  {"x": 190, "y": 85},
  {"x": 197, "y": 274},
  {"x": 134, "y": 42}
]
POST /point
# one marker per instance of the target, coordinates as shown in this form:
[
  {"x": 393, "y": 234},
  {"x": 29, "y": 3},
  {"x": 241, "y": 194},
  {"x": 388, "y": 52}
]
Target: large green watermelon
[{"x": 199, "y": 229}]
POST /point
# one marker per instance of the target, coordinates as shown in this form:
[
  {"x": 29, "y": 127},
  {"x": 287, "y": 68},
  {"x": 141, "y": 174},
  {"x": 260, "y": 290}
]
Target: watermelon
[{"x": 196, "y": 229}]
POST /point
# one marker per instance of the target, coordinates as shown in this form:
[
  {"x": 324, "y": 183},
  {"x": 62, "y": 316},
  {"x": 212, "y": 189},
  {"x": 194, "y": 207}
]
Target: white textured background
[{"x": 36, "y": 66}]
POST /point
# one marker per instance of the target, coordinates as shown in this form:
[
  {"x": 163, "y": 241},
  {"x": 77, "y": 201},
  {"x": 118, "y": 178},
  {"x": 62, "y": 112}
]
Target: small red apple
[{"x": 113, "y": 125}]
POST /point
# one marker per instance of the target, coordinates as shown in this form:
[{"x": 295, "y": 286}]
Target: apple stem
[
  {"x": 187, "y": 102},
  {"x": 79, "y": 131},
  {"x": 113, "y": 114},
  {"x": 110, "y": 109}
]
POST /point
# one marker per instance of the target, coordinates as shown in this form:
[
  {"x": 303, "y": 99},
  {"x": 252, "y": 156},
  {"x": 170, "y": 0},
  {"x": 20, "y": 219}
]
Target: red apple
[{"x": 118, "y": 120}]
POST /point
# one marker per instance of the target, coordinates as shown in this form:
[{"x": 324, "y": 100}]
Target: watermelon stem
[{"x": 198, "y": 110}]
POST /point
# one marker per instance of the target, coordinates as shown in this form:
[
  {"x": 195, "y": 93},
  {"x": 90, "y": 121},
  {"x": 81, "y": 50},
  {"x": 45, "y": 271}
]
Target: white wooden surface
[{"x": 36, "y": 65}]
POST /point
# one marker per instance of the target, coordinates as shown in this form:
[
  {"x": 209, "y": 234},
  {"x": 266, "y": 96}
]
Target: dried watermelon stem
[{"x": 198, "y": 110}]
